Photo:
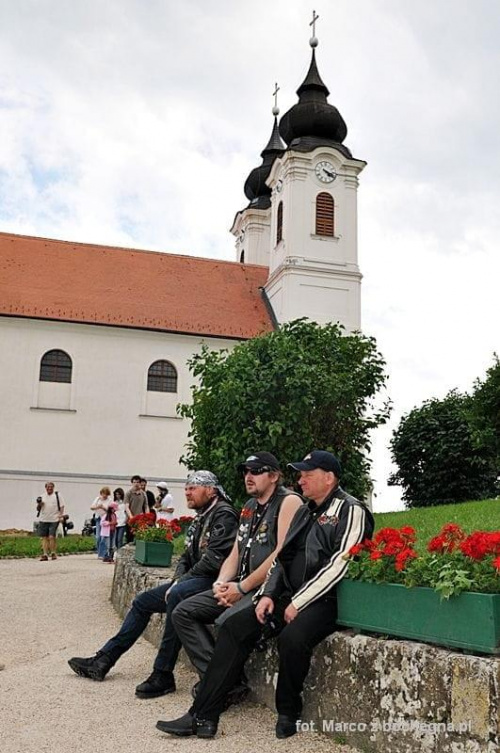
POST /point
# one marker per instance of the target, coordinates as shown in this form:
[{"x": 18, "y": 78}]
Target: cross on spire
[
  {"x": 313, "y": 23},
  {"x": 276, "y": 109}
]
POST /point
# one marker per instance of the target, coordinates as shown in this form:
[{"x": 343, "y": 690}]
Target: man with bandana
[{"x": 209, "y": 540}]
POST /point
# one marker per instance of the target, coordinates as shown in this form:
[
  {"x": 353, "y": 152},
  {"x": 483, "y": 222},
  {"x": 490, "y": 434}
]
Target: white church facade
[{"x": 90, "y": 381}]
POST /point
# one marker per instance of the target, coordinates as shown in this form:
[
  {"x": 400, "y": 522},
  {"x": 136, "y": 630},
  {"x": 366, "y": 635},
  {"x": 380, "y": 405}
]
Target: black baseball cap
[
  {"x": 318, "y": 459},
  {"x": 260, "y": 460}
]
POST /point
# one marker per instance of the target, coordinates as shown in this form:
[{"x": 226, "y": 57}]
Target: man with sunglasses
[
  {"x": 264, "y": 522},
  {"x": 298, "y": 595}
]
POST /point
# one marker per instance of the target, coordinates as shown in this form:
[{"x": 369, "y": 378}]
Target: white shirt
[
  {"x": 49, "y": 512},
  {"x": 161, "y": 511}
]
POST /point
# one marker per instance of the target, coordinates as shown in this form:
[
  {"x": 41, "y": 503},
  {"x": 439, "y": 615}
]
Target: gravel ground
[{"x": 50, "y": 611}]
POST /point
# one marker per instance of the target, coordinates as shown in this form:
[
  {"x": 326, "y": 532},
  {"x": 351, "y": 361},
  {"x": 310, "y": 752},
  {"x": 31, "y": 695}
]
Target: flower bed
[
  {"x": 448, "y": 595},
  {"x": 453, "y": 562},
  {"x": 154, "y": 540}
]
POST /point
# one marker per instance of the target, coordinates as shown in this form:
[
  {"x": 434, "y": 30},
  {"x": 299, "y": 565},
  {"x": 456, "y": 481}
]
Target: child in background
[{"x": 108, "y": 531}]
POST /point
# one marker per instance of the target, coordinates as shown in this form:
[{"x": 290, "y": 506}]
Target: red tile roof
[{"x": 81, "y": 282}]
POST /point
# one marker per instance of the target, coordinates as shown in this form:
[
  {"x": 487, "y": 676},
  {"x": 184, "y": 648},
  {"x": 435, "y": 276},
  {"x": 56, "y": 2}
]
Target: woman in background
[{"x": 121, "y": 516}]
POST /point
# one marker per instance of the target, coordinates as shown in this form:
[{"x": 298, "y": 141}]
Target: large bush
[
  {"x": 437, "y": 458},
  {"x": 299, "y": 388}
]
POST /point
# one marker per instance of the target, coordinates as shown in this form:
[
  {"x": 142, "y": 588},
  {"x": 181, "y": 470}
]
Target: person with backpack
[{"x": 50, "y": 511}]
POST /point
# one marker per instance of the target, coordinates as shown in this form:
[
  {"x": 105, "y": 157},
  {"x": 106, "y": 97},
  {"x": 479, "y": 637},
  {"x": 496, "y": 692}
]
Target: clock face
[{"x": 325, "y": 172}]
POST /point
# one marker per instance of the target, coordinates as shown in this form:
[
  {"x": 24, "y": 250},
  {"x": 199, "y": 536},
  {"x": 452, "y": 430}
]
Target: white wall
[{"x": 109, "y": 427}]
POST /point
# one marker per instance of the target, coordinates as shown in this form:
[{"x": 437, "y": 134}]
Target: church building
[{"x": 96, "y": 339}]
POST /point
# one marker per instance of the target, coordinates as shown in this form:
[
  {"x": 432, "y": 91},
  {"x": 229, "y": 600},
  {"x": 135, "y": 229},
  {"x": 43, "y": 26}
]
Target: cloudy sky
[{"x": 136, "y": 122}]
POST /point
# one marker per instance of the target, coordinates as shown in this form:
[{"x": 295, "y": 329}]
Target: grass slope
[{"x": 481, "y": 515}]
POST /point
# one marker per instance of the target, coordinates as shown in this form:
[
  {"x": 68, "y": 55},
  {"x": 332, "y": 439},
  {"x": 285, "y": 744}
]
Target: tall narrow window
[
  {"x": 279, "y": 223},
  {"x": 162, "y": 377},
  {"x": 325, "y": 214},
  {"x": 56, "y": 366}
]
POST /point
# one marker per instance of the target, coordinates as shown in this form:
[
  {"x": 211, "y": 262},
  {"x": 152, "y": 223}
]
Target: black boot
[
  {"x": 182, "y": 727},
  {"x": 95, "y": 668},
  {"x": 157, "y": 684},
  {"x": 285, "y": 727},
  {"x": 205, "y": 728}
]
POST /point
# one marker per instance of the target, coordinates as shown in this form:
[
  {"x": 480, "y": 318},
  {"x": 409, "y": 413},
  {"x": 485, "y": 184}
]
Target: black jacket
[
  {"x": 209, "y": 540},
  {"x": 342, "y": 522}
]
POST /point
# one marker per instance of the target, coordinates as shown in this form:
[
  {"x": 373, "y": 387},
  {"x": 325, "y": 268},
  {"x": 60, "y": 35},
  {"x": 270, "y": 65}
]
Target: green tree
[
  {"x": 485, "y": 413},
  {"x": 299, "y": 388},
  {"x": 437, "y": 459}
]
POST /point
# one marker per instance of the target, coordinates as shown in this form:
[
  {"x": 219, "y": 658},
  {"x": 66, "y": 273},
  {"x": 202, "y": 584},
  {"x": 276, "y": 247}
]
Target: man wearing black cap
[
  {"x": 209, "y": 540},
  {"x": 298, "y": 594},
  {"x": 264, "y": 522}
]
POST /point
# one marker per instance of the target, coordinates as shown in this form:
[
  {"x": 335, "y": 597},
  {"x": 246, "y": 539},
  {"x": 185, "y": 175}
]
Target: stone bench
[{"x": 381, "y": 696}]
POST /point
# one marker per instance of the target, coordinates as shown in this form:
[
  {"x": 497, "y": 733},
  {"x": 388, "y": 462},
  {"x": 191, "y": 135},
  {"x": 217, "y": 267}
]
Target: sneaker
[
  {"x": 53, "y": 556},
  {"x": 157, "y": 684},
  {"x": 95, "y": 668},
  {"x": 44, "y": 558}
]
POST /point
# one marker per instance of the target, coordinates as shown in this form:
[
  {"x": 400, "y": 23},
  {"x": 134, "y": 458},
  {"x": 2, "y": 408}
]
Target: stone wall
[{"x": 381, "y": 696}]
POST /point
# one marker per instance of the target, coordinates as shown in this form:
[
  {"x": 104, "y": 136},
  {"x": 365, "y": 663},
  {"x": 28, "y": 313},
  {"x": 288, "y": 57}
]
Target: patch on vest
[
  {"x": 219, "y": 529},
  {"x": 325, "y": 518}
]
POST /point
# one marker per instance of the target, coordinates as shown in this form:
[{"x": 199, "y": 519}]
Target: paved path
[{"x": 50, "y": 611}]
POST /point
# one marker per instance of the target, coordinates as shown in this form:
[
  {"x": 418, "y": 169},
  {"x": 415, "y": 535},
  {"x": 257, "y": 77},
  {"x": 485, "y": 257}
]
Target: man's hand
[
  {"x": 290, "y": 613},
  {"x": 227, "y": 594},
  {"x": 263, "y": 608}
]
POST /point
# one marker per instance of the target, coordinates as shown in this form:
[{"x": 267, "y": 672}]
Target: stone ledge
[{"x": 360, "y": 687}]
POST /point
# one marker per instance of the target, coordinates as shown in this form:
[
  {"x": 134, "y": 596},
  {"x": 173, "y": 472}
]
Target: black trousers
[{"x": 235, "y": 642}]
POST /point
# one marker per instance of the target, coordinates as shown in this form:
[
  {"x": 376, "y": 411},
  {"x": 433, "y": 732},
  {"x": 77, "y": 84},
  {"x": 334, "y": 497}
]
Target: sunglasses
[{"x": 257, "y": 471}]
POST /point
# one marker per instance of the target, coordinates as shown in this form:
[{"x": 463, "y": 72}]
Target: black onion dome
[
  {"x": 313, "y": 121},
  {"x": 255, "y": 188}
]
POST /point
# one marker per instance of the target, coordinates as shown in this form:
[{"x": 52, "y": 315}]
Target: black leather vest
[{"x": 256, "y": 543}]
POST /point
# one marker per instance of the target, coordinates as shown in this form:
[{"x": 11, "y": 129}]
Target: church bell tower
[{"x": 310, "y": 227}]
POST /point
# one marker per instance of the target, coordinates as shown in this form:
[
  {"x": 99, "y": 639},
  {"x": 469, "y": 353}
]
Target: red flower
[
  {"x": 403, "y": 557},
  {"x": 375, "y": 555},
  {"x": 496, "y": 563},
  {"x": 356, "y": 549},
  {"x": 481, "y": 543}
]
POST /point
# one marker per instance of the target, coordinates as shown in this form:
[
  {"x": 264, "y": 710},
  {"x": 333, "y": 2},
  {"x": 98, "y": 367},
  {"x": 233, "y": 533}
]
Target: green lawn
[
  {"x": 482, "y": 515},
  {"x": 30, "y": 546}
]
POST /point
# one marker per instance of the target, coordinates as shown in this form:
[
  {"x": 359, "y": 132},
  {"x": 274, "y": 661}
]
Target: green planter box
[
  {"x": 470, "y": 621},
  {"x": 154, "y": 553}
]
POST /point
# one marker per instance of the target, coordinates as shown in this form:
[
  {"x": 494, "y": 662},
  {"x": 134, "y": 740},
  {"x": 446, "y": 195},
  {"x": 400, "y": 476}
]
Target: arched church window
[
  {"x": 162, "y": 377},
  {"x": 279, "y": 223},
  {"x": 325, "y": 214},
  {"x": 56, "y": 366}
]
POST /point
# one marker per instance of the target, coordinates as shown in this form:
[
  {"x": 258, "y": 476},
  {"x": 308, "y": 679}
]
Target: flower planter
[
  {"x": 469, "y": 621},
  {"x": 154, "y": 553}
]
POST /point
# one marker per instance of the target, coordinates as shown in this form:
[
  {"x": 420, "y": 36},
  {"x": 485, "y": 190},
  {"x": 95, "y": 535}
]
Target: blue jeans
[
  {"x": 153, "y": 602},
  {"x": 120, "y": 535},
  {"x": 108, "y": 543},
  {"x": 100, "y": 540}
]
